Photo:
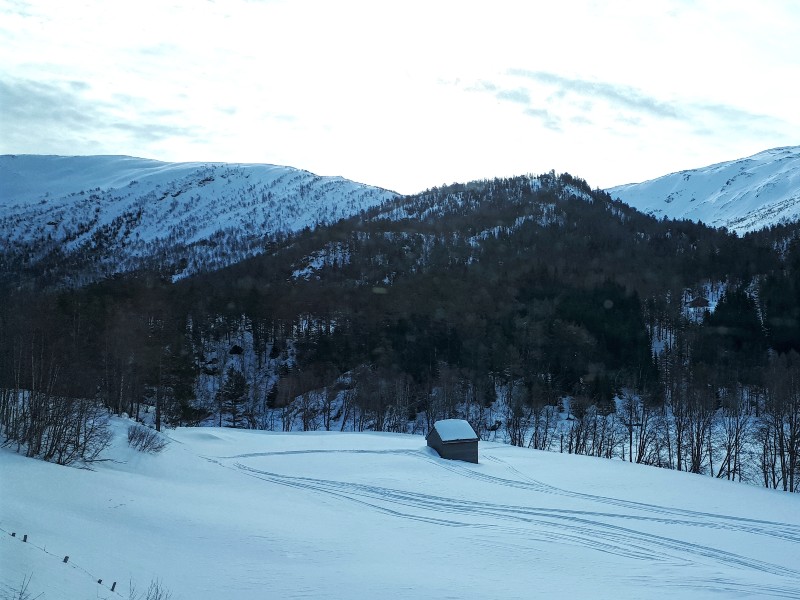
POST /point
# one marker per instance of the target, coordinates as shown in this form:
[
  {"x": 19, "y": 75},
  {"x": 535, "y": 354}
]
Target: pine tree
[{"x": 232, "y": 396}]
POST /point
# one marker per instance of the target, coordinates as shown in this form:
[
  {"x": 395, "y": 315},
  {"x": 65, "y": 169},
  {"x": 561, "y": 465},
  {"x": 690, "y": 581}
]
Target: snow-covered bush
[{"x": 144, "y": 439}]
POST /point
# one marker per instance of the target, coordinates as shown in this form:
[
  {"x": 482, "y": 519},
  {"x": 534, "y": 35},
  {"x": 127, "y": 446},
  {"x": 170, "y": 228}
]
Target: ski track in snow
[{"x": 598, "y": 530}]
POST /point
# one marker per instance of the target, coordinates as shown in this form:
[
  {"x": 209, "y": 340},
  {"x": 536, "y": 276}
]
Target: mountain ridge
[
  {"x": 118, "y": 178},
  {"x": 120, "y": 213},
  {"x": 82, "y": 218},
  {"x": 742, "y": 195}
]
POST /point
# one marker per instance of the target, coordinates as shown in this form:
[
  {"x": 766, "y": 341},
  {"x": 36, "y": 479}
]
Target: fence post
[
  {"x": 25, "y": 538},
  {"x": 66, "y": 559},
  {"x": 113, "y": 585}
]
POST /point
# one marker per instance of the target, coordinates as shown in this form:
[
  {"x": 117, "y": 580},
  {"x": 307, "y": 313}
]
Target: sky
[{"x": 404, "y": 95}]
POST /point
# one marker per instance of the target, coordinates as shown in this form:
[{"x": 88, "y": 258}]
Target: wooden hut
[
  {"x": 698, "y": 302},
  {"x": 454, "y": 439}
]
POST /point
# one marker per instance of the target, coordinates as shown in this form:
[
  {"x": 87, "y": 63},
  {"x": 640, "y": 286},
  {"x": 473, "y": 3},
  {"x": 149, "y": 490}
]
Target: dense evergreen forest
[{"x": 546, "y": 313}]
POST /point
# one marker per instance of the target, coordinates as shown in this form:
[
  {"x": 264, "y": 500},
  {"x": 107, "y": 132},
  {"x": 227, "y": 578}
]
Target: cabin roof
[
  {"x": 698, "y": 302},
  {"x": 454, "y": 430}
]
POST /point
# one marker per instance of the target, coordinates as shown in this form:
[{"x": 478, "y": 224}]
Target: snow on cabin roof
[{"x": 453, "y": 430}]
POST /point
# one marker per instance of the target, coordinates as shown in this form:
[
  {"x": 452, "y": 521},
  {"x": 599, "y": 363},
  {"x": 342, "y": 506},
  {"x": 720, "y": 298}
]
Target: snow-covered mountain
[
  {"x": 124, "y": 212},
  {"x": 742, "y": 195},
  {"x": 72, "y": 220}
]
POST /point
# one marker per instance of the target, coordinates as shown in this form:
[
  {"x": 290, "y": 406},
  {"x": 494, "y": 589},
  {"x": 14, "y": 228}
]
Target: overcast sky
[{"x": 405, "y": 95}]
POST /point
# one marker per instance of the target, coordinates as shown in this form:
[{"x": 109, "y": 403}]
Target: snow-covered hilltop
[
  {"x": 124, "y": 212},
  {"x": 742, "y": 195}
]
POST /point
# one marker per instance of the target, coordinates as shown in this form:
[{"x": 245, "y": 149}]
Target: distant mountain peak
[
  {"x": 119, "y": 213},
  {"x": 742, "y": 195}
]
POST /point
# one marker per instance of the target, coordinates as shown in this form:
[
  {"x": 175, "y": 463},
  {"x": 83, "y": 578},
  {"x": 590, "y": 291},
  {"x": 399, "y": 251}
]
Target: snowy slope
[
  {"x": 742, "y": 195},
  {"x": 240, "y": 514},
  {"x": 123, "y": 210}
]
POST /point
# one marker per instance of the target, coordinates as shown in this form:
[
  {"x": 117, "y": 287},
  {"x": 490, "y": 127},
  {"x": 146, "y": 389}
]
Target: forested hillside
[{"x": 546, "y": 313}]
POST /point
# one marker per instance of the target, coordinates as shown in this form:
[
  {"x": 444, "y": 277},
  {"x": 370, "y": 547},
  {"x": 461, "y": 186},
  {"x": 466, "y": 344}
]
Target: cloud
[
  {"x": 480, "y": 86},
  {"x": 634, "y": 106},
  {"x": 60, "y": 117},
  {"x": 285, "y": 118},
  {"x": 18, "y": 8},
  {"x": 736, "y": 118},
  {"x": 157, "y": 50},
  {"x": 519, "y": 96},
  {"x": 546, "y": 117},
  {"x": 25, "y": 103},
  {"x": 581, "y": 120},
  {"x": 616, "y": 95},
  {"x": 555, "y": 100},
  {"x": 79, "y": 86},
  {"x": 149, "y": 132}
]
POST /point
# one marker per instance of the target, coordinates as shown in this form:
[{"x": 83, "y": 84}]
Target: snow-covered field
[{"x": 232, "y": 514}]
